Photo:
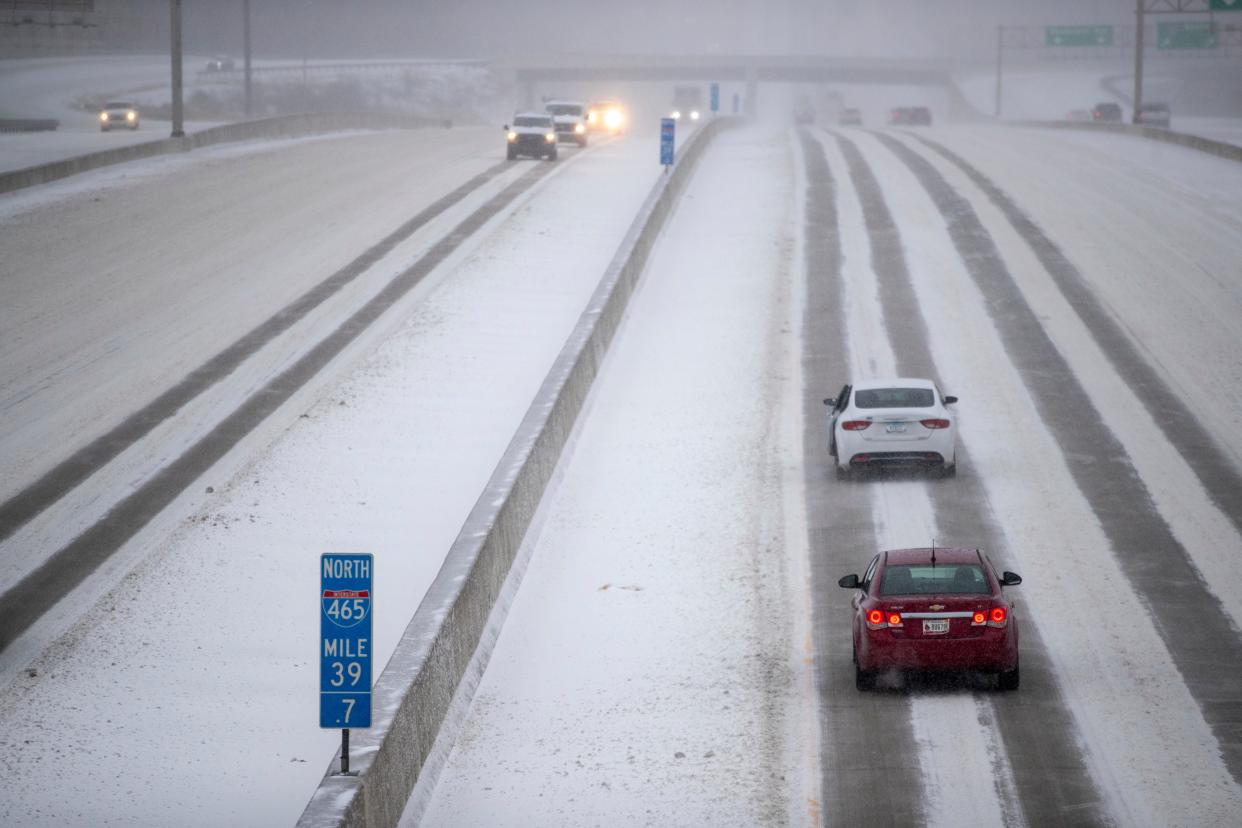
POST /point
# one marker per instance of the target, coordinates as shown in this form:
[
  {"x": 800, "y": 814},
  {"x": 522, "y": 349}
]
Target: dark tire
[
  {"x": 552, "y": 155},
  {"x": 841, "y": 474},
  {"x": 949, "y": 471},
  {"x": 1008, "y": 680},
  {"x": 511, "y": 155},
  {"x": 863, "y": 680},
  {"x": 582, "y": 142}
]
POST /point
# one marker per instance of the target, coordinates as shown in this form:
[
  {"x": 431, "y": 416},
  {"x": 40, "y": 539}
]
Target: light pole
[
  {"x": 1000, "y": 47},
  {"x": 246, "y": 50},
  {"x": 177, "y": 130},
  {"x": 1138, "y": 59}
]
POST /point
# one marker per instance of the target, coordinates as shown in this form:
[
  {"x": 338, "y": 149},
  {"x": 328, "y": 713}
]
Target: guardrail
[
  {"x": 318, "y": 68},
  {"x": 283, "y": 127},
  {"x": 1168, "y": 136},
  {"x": 414, "y": 694},
  {"x": 28, "y": 124}
]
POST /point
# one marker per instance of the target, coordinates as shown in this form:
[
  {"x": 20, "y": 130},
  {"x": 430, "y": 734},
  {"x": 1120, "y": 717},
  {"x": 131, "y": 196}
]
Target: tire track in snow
[
  {"x": 1040, "y": 746},
  {"x": 1189, "y": 618},
  {"x": 858, "y": 770},
  {"x": 1221, "y": 479},
  {"x": 38, "y": 591},
  {"x": 73, "y": 470}
]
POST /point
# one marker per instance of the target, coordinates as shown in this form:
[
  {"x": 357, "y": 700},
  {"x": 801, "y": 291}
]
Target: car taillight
[
  {"x": 875, "y": 620},
  {"x": 978, "y": 619},
  {"x": 894, "y": 619},
  {"x": 855, "y": 425},
  {"x": 935, "y": 423},
  {"x": 998, "y": 617}
]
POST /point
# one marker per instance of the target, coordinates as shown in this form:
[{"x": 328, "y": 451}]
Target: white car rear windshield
[{"x": 894, "y": 398}]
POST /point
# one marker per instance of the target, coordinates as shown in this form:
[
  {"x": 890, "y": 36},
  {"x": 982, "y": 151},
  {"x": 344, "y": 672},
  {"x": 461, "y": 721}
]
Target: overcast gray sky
[{"x": 491, "y": 28}]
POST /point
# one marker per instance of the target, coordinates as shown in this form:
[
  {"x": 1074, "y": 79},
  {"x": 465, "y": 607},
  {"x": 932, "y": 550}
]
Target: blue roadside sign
[
  {"x": 346, "y": 593},
  {"x": 668, "y": 129},
  {"x": 715, "y": 89}
]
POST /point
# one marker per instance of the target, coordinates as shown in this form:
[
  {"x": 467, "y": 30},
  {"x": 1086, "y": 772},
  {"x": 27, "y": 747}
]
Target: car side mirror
[
  {"x": 851, "y": 582},
  {"x": 950, "y": 400},
  {"x": 505, "y": 127},
  {"x": 829, "y": 401},
  {"x": 1010, "y": 579}
]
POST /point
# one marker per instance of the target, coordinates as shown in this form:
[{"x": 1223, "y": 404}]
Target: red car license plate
[{"x": 937, "y": 625}]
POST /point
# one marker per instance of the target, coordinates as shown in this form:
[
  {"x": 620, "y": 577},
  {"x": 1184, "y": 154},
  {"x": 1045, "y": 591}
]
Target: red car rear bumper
[{"x": 994, "y": 649}]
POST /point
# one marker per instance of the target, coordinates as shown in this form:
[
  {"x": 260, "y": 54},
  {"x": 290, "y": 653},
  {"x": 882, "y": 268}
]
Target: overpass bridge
[{"x": 751, "y": 70}]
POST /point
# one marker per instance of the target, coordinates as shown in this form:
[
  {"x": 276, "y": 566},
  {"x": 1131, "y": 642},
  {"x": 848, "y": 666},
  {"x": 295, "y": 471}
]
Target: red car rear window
[{"x": 925, "y": 579}]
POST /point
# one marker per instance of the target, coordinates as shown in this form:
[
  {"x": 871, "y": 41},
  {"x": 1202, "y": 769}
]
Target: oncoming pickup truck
[
  {"x": 531, "y": 134},
  {"x": 570, "y": 118}
]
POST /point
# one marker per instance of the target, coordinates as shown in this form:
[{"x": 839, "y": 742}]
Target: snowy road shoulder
[{"x": 644, "y": 670}]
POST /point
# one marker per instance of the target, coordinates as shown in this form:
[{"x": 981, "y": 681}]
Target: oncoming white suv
[{"x": 570, "y": 118}]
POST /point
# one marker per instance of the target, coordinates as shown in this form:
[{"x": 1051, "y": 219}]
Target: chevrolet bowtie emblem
[{"x": 937, "y": 607}]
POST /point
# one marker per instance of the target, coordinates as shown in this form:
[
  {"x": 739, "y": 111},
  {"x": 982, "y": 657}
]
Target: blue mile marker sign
[
  {"x": 346, "y": 593},
  {"x": 715, "y": 95},
  {"x": 668, "y": 129}
]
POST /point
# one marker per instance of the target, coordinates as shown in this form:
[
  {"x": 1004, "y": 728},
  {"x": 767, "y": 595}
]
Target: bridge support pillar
[{"x": 752, "y": 92}]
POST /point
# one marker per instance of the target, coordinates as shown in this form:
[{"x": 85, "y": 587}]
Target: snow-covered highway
[{"x": 677, "y": 650}]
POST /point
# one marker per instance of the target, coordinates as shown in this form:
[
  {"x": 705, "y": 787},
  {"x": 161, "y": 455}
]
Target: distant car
[
  {"x": 1078, "y": 115},
  {"x": 220, "y": 63},
  {"x": 911, "y": 116},
  {"x": 850, "y": 117},
  {"x": 533, "y": 134},
  {"x": 892, "y": 422},
  {"x": 605, "y": 116},
  {"x": 935, "y": 610},
  {"x": 1155, "y": 115},
  {"x": 1106, "y": 113},
  {"x": 570, "y": 118},
  {"x": 119, "y": 115}
]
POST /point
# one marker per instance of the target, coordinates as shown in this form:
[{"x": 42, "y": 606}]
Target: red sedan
[{"x": 933, "y": 609}]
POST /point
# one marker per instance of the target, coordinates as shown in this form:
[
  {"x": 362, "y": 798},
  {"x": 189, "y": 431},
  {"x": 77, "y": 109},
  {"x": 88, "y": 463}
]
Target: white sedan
[{"x": 892, "y": 422}]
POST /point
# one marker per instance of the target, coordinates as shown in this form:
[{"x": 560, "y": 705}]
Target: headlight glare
[{"x": 512, "y": 136}]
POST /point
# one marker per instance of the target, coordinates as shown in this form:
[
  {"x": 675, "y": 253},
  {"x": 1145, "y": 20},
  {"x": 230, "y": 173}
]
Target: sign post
[
  {"x": 668, "y": 129},
  {"x": 346, "y": 589},
  {"x": 715, "y": 96}
]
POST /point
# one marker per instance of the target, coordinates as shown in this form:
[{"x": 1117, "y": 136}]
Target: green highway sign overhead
[
  {"x": 1185, "y": 36},
  {"x": 1225, "y": 5},
  {"x": 1078, "y": 36}
]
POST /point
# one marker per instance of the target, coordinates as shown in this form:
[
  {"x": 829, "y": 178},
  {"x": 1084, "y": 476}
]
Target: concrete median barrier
[
  {"x": 1168, "y": 136},
  {"x": 291, "y": 126},
  {"x": 28, "y": 124},
  {"x": 413, "y": 695}
]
